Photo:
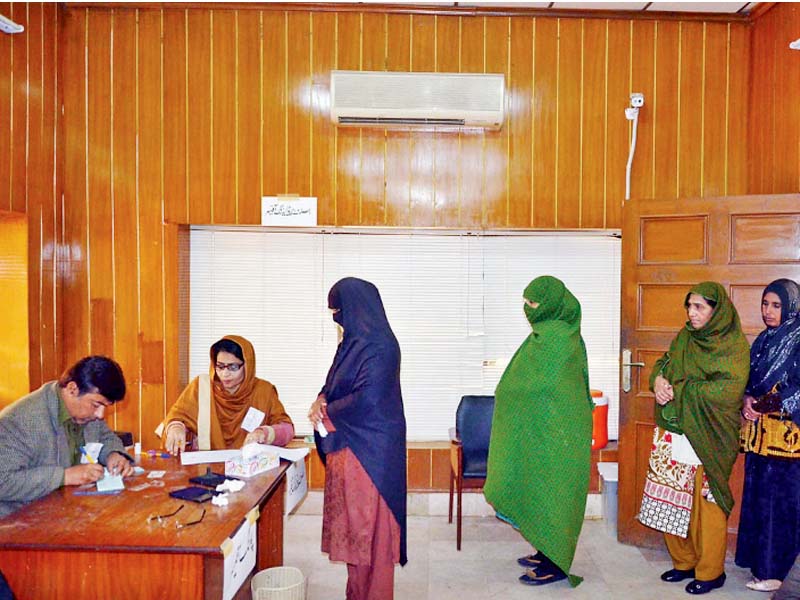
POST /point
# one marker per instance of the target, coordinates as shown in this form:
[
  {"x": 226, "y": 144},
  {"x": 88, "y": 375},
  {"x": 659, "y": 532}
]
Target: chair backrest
[{"x": 474, "y": 427}]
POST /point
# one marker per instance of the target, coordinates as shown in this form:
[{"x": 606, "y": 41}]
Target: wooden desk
[{"x": 95, "y": 547}]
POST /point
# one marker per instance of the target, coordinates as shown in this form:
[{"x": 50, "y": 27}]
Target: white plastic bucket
[{"x": 279, "y": 583}]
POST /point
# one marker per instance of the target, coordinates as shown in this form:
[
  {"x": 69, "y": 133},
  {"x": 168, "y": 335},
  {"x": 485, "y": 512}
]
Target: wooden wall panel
[
  {"x": 151, "y": 237},
  {"x": 6, "y": 107},
  {"x": 248, "y": 118},
  {"x": 593, "y": 117},
  {"x": 545, "y": 126},
  {"x": 520, "y": 84},
  {"x": 198, "y": 112},
  {"x": 665, "y": 109},
  {"x": 372, "y": 158},
  {"x": 423, "y": 58},
  {"x": 398, "y": 143},
  {"x": 495, "y": 175},
  {"x": 20, "y": 91},
  {"x": 446, "y": 153},
  {"x": 323, "y": 166},
  {"x": 224, "y": 112},
  {"x": 690, "y": 107},
  {"x": 273, "y": 102},
  {"x": 126, "y": 229},
  {"x": 715, "y": 105},
  {"x": 774, "y": 122},
  {"x": 199, "y": 106},
  {"x": 569, "y": 166},
  {"x": 348, "y": 139},
  {"x": 643, "y": 71},
  {"x": 74, "y": 266},
  {"x": 472, "y": 143},
  {"x": 99, "y": 208},
  {"x": 617, "y": 85},
  {"x": 176, "y": 204}
]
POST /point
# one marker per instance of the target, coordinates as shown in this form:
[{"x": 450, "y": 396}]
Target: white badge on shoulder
[{"x": 252, "y": 419}]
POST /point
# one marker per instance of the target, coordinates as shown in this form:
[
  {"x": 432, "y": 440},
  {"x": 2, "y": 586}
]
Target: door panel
[{"x": 743, "y": 242}]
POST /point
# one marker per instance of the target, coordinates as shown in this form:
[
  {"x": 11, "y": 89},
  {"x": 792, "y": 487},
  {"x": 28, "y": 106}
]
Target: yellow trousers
[{"x": 704, "y": 548}]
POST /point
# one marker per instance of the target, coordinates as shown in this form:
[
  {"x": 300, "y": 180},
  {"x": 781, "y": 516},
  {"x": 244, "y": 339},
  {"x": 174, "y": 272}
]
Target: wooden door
[{"x": 743, "y": 242}]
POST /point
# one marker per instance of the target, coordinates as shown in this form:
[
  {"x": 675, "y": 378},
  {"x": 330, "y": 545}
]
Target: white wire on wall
[{"x": 454, "y": 302}]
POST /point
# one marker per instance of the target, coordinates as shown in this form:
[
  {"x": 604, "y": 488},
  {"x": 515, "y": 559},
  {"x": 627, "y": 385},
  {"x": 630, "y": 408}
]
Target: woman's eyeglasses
[
  {"x": 230, "y": 367},
  {"x": 180, "y": 525},
  {"x": 160, "y": 518}
]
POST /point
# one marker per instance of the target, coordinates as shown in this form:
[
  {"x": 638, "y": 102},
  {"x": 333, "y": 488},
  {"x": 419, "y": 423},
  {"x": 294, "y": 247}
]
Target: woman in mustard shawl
[
  {"x": 698, "y": 386},
  {"x": 539, "y": 454},
  {"x": 214, "y": 406}
]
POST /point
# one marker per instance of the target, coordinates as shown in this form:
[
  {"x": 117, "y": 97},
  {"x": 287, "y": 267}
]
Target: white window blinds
[{"x": 454, "y": 303}]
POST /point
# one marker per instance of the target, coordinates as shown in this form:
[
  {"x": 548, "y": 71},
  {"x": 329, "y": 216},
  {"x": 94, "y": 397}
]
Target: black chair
[{"x": 469, "y": 450}]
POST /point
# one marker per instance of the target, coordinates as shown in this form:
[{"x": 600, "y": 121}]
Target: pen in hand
[{"x": 88, "y": 456}]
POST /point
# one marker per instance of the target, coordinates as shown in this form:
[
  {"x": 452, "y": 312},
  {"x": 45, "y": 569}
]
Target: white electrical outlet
[{"x": 637, "y": 100}]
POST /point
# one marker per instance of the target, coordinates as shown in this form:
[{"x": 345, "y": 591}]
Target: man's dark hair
[
  {"x": 228, "y": 346},
  {"x": 96, "y": 375}
]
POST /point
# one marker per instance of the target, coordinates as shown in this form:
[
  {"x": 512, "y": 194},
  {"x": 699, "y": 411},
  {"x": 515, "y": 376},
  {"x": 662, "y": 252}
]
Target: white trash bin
[
  {"x": 279, "y": 583},
  {"x": 609, "y": 477}
]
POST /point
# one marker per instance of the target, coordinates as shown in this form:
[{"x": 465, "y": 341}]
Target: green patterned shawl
[
  {"x": 708, "y": 370},
  {"x": 539, "y": 455}
]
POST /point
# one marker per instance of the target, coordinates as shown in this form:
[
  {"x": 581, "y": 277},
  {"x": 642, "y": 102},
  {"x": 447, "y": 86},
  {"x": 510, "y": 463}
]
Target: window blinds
[{"x": 454, "y": 302}]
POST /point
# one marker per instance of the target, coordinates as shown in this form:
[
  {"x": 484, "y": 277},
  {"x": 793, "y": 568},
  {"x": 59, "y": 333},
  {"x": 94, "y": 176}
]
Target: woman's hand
[
  {"x": 260, "y": 435},
  {"x": 176, "y": 437},
  {"x": 318, "y": 410},
  {"x": 663, "y": 390},
  {"x": 747, "y": 409}
]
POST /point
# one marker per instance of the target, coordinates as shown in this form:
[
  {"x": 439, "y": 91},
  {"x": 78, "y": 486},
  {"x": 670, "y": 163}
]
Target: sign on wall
[{"x": 289, "y": 211}]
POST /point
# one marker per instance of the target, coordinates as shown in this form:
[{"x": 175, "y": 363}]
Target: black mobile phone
[
  {"x": 208, "y": 479},
  {"x": 193, "y": 494}
]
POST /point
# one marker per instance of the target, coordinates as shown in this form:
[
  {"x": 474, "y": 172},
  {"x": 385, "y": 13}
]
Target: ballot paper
[{"x": 110, "y": 482}]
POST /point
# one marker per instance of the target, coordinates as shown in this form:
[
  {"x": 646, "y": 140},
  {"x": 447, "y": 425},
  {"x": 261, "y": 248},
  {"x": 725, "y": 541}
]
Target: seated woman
[
  {"x": 769, "y": 539},
  {"x": 244, "y": 408}
]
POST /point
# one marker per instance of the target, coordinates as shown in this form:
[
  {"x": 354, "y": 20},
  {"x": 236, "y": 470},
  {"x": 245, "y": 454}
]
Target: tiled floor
[{"x": 486, "y": 567}]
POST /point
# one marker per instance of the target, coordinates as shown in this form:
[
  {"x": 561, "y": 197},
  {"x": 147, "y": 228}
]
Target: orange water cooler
[{"x": 599, "y": 420}]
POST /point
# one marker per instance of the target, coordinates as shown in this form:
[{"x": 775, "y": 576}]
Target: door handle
[{"x": 626, "y": 369}]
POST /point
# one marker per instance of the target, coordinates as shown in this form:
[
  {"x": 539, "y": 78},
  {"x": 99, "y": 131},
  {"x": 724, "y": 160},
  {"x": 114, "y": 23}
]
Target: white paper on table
[
  {"x": 252, "y": 419},
  {"x": 208, "y": 456},
  {"x": 290, "y": 454},
  {"x": 110, "y": 482},
  {"x": 239, "y": 551}
]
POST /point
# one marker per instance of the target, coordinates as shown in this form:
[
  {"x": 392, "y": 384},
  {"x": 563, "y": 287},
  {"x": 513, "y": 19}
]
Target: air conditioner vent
[
  {"x": 382, "y": 121},
  {"x": 393, "y": 99}
]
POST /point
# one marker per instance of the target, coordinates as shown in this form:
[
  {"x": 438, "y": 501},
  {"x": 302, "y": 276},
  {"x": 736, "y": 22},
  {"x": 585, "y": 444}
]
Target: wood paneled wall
[
  {"x": 29, "y": 183},
  {"x": 775, "y": 96},
  {"x": 175, "y": 116}
]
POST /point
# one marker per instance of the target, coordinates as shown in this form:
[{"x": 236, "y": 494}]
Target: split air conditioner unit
[{"x": 405, "y": 100}]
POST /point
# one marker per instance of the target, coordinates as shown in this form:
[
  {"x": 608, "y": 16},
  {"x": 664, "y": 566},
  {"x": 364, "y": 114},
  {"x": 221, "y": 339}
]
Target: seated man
[{"x": 42, "y": 434}]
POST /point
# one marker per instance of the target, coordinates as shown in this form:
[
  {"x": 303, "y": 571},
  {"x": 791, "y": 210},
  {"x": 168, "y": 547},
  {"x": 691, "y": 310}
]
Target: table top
[{"x": 64, "y": 520}]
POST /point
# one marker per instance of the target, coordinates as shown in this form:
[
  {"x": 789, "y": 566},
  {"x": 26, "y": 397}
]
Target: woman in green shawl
[
  {"x": 698, "y": 387},
  {"x": 539, "y": 454}
]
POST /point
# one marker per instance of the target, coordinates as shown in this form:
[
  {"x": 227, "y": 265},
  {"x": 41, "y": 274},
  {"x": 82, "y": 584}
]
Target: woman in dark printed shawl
[
  {"x": 769, "y": 537},
  {"x": 364, "y": 451}
]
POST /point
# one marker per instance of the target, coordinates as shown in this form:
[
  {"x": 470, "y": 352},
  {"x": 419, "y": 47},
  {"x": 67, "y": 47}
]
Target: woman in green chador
[{"x": 539, "y": 455}]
